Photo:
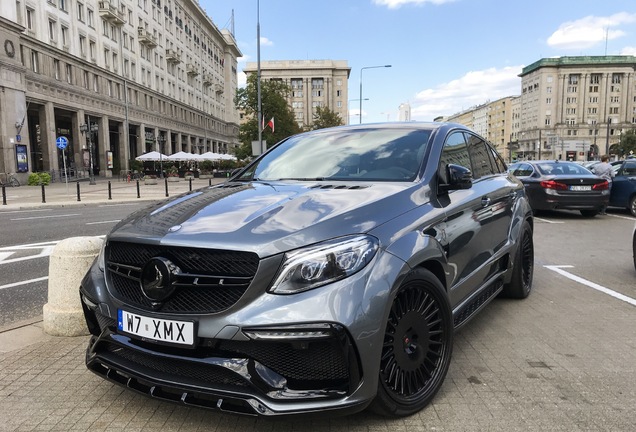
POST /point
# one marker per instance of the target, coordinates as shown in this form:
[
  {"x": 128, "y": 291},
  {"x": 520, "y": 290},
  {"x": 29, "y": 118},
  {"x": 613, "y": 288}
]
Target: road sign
[{"x": 61, "y": 142}]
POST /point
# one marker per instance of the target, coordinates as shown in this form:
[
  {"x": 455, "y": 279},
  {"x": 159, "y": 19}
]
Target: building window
[
  {"x": 548, "y": 101},
  {"x": 613, "y": 110},
  {"x": 69, "y": 74},
  {"x": 338, "y": 93},
  {"x": 56, "y": 68},
  {"x": 614, "y": 99},
  {"x": 593, "y": 89},
  {"x": 104, "y": 27},
  {"x": 616, "y": 78},
  {"x": 573, "y": 79},
  {"x": 85, "y": 79},
  {"x": 124, "y": 39},
  {"x": 82, "y": 45},
  {"x": 573, "y": 89},
  {"x": 80, "y": 11},
  {"x": 63, "y": 5},
  {"x": 90, "y": 17},
  {"x": 65, "y": 37},
  {"x": 615, "y": 88},
  {"x": 95, "y": 83},
  {"x": 548, "y": 121},
  {"x": 30, "y": 19},
  {"x": 52, "y": 30},
  {"x": 35, "y": 63},
  {"x": 570, "y": 110},
  {"x": 107, "y": 58},
  {"x": 593, "y": 99},
  {"x": 595, "y": 79},
  {"x": 592, "y": 110},
  {"x": 548, "y": 89}
]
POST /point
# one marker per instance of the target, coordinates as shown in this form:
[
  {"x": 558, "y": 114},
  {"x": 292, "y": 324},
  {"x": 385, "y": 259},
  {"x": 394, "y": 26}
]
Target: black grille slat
[{"x": 225, "y": 276}]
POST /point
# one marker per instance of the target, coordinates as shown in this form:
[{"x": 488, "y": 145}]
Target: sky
[{"x": 446, "y": 56}]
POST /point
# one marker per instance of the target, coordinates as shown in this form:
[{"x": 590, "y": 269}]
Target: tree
[
  {"x": 626, "y": 144},
  {"x": 274, "y": 105},
  {"x": 324, "y": 118}
]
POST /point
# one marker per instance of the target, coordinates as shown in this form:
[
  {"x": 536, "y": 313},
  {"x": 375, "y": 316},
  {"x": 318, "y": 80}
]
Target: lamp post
[
  {"x": 609, "y": 121},
  {"x": 594, "y": 124},
  {"x": 88, "y": 129},
  {"x": 361, "y": 69},
  {"x": 161, "y": 140}
]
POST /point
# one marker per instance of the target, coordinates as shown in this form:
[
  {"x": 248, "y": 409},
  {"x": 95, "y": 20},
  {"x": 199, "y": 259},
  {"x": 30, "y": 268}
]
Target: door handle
[{"x": 485, "y": 202}]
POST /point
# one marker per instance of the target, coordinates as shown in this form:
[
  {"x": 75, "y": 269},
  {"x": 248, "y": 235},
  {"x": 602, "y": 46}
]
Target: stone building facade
[
  {"x": 313, "y": 83},
  {"x": 113, "y": 79}
]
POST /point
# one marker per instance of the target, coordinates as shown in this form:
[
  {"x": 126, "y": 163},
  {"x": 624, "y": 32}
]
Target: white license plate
[
  {"x": 156, "y": 329},
  {"x": 581, "y": 188}
]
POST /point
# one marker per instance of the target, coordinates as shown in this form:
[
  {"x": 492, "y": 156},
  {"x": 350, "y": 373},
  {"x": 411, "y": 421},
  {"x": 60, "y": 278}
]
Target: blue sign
[{"x": 61, "y": 142}]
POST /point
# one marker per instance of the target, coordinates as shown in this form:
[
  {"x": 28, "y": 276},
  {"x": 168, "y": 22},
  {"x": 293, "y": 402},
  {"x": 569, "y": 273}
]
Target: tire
[
  {"x": 589, "y": 213},
  {"x": 417, "y": 348},
  {"x": 520, "y": 284},
  {"x": 632, "y": 205}
]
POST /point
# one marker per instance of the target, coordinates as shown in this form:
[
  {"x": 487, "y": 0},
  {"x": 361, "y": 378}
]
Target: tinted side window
[
  {"x": 500, "y": 165},
  {"x": 629, "y": 169},
  {"x": 455, "y": 152},
  {"x": 522, "y": 170},
  {"x": 481, "y": 157}
]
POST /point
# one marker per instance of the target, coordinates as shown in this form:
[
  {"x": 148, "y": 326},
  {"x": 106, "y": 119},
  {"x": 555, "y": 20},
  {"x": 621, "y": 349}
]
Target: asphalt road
[{"x": 27, "y": 237}]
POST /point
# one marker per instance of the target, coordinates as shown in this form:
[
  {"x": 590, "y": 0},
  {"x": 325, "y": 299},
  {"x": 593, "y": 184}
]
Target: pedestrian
[{"x": 604, "y": 170}]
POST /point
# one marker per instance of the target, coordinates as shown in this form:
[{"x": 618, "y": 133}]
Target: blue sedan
[{"x": 623, "y": 192}]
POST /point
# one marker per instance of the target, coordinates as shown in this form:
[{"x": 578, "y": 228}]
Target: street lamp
[
  {"x": 161, "y": 140},
  {"x": 609, "y": 120},
  {"x": 361, "y": 69},
  {"x": 88, "y": 129},
  {"x": 354, "y": 100},
  {"x": 594, "y": 124}
]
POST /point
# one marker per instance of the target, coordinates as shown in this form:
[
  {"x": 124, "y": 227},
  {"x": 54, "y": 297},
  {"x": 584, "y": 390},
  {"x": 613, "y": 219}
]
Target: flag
[
  {"x": 262, "y": 122},
  {"x": 271, "y": 124}
]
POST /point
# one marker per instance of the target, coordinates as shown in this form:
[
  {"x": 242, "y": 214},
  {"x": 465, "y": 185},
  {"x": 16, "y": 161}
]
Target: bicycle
[{"x": 9, "y": 180}]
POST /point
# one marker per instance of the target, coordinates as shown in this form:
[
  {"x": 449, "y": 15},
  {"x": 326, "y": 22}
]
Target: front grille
[{"x": 210, "y": 280}]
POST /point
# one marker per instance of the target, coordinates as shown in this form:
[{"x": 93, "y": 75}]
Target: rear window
[{"x": 562, "y": 168}]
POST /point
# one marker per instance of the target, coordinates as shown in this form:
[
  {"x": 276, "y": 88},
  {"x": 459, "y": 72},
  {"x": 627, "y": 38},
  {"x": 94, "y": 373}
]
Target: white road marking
[
  {"x": 102, "y": 222},
  {"x": 620, "y": 217},
  {"x": 118, "y": 205},
  {"x": 548, "y": 221},
  {"x": 47, "y": 217},
  {"x": 617, "y": 295},
  {"x": 11, "y": 285},
  {"x": 24, "y": 211}
]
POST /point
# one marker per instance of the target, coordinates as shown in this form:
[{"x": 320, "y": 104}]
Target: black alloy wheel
[
  {"x": 520, "y": 283},
  {"x": 417, "y": 347}
]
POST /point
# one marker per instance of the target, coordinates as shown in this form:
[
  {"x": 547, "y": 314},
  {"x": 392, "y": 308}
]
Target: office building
[
  {"x": 113, "y": 79},
  {"x": 313, "y": 83}
]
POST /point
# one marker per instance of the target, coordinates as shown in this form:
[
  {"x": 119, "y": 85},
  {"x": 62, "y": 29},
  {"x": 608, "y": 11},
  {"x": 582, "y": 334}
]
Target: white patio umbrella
[
  {"x": 181, "y": 156},
  {"x": 211, "y": 156},
  {"x": 151, "y": 156}
]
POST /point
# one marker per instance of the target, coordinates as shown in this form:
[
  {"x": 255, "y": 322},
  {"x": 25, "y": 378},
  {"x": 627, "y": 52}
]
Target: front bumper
[{"x": 274, "y": 355}]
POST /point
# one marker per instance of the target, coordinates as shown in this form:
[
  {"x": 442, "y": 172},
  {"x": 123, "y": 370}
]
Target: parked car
[
  {"x": 623, "y": 192},
  {"x": 329, "y": 275},
  {"x": 634, "y": 246},
  {"x": 562, "y": 185}
]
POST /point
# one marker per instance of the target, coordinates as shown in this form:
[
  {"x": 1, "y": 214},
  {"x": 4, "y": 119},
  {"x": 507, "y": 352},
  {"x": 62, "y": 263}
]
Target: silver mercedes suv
[{"x": 328, "y": 275}]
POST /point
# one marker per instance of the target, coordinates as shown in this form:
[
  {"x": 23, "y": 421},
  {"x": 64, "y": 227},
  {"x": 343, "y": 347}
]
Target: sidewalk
[{"x": 61, "y": 194}]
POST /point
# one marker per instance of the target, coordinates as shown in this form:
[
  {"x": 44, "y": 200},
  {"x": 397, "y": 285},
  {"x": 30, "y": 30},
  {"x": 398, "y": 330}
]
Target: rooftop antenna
[
  {"x": 232, "y": 24},
  {"x": 606, "y": 37}
]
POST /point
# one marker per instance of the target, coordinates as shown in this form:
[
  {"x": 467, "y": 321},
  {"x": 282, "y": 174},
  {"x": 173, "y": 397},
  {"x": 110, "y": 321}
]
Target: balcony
[
  {"x": 206, "y": 78},
  {"x": 218, "y": 88},
  {"x": 110, "y": 13},
  {"x": 146, "y": 38},
  {"x": 192, "y": 69},
  {"x": 173, "y": 56}
]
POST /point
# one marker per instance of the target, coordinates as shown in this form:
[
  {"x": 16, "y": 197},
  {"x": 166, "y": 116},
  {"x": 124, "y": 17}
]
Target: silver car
[{"x": 328, "y": 275}]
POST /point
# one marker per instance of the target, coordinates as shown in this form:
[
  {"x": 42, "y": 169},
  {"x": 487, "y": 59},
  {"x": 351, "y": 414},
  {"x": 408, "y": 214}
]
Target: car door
[
  {"x": 624, "y": 184},
  {"x": 473, "y": 216}
]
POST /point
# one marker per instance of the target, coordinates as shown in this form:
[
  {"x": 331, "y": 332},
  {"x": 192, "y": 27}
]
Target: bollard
[
  {"x": 166, "y": 181},
  {"x": 78, "y": 191},
  {"x": 110, "y": 194},
  {"x": 43, "y": 195},
  {"x": 70, "y": 260},
  {"x": 4, "y": 196},
  {"x": 190, "y": 180},
  {"x": 138, "y": 194},
  {"x": 209, "y": 182}
]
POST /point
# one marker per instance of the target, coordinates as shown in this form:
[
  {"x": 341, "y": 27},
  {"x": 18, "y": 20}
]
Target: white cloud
[
  {"x": 629, "y": 51},
  {"x": 395, "y": 4},
  {"x": 474, "y": 88},
  {"x": 266, "y": 42},
  {"x": 590, "y": 31}
]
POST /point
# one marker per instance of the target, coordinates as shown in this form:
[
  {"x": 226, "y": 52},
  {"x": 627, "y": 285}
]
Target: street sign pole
[{"x": 61, "y": 143}]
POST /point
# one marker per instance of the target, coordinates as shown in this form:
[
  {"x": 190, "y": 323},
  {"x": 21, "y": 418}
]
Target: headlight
[{"x": 323, "y": 263}]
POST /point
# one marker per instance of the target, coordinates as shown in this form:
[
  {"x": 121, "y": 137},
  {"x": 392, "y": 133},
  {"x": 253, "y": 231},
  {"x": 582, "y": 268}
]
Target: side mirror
[{"x": 459, "y": 177}]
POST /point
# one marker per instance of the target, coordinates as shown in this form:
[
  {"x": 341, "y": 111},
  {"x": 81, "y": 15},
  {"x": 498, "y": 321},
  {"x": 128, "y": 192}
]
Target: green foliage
[
  {"x": 37, "y": 179},
  {"x": 273, "y": 104},
  {"x": 324, "y": 118},
  {"x": 626, "y": 145},
  {"x": 206, "y": 166},
  {"x": 135, "y": 165}
]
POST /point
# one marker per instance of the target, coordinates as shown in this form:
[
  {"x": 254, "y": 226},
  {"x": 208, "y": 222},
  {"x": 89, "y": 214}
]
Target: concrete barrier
[{"x": 69, "y": 262}]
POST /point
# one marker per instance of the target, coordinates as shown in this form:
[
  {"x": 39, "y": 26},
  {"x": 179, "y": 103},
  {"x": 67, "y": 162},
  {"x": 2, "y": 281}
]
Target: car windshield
[
  {"x": 561, "y": 168},
  {"x": 387, "y": 154}
]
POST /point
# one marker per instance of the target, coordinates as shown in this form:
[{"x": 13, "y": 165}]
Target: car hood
[{"x": 269, "y": 218}]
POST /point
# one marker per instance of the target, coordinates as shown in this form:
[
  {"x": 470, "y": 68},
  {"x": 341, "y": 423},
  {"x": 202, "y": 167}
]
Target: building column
[
  {"x": 102, "y": 144},
  {"x": 77, "y": 120},
  {"x": 124, "y": 154},
  {"x": 47, "y": 131},
  {"x": 141, "y": 139}
]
